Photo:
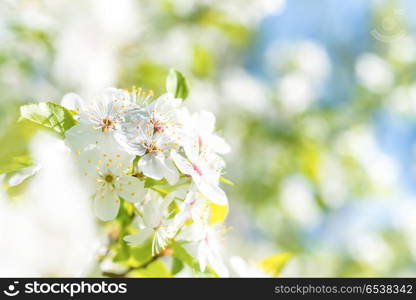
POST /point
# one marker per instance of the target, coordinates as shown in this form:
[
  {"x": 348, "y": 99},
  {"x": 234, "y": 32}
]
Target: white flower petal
[
  {"x": 130, "y": 144},
  {"x": 131, "y": 188},
  {"x": 191, "y": 148},
  {"x": 183, "y": 165},
  {"x": 151, "y": 166},
  {"x": 215, "y": 261},
  {"x": 206, "y": 121},
  {"x": 191, "y": 233},
  {"x": 165, "y": 103},
  {"x": 170, "y": 172},
  {"x": 73, "y": 102},
  {"x": 152, "y": 214},
  {"x": 106, "y": 204},
  {"x": 157, "y": 167},
  {"x": 218, "y": 144},
  {"x": 21, "y": 175},
  {"x": 140, "y": 237},
  {"x": 106, "y": 143},
  {"x": 81, "y": 137},
  {"x": 94, "y": 162},
  {"x": 202, "y": 255},
  {"x": 212, "y": 192}
]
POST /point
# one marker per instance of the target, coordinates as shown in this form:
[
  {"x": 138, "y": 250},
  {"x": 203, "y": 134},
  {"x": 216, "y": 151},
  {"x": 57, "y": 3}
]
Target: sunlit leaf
[
  {"x": 142, "y": 253},
  {"x": 177, "y": 266},
  {"x": 177, "y": 84},
  {"x": 15, "y": 163},
  {"x": 15, "y": 155},
  {"x": 156, "y": 269},
  {"x": 49, "y": 115},
  {"x": 122, "y": 252}
]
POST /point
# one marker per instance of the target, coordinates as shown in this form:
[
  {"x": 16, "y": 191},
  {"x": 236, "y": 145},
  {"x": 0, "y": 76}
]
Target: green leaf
[
  {"x": 150, "y": 182},
  {"x": 177, "y": 266},
  {"x": 156, "y": 269},
  {"x": 177, "y": 84},
  {"x": 173, "y": 208},
  {"x": 163, "y": 187},
  {"x": 122, "y": 252},
  {"x": 275, "y": 263},
  {"x": 49, "y": 115},
  {"x": 16, "y": 163},
  {"x": 125, "y": 213},
  {"x": 16, "y": 154},
  {"x": 142, "y": 253}
]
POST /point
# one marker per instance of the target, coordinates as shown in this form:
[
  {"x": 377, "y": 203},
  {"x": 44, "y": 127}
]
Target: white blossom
[
  {"x": 205, "y": 245},
  {"x": 155, "y": 221},
  {"x": 195, "y": 207},
  {"x": 152, "y": 132},
  {"x": 99, "y": 118},
  {"x": 125, "y": 138},
  {"x": 201, "y": 125},
  {"x": 205, "y": 169},
  {"x": 110, "y": 178}
]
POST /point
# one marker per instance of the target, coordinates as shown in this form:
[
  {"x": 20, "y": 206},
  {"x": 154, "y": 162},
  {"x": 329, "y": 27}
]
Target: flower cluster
[{"x": 128, "y": 142}]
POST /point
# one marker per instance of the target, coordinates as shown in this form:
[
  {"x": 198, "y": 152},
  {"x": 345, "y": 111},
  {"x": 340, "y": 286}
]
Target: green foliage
[
  {"x": 162, "y": 186},
  {"x": 49, "y": 115},
  {"x": 150, "y": 182},
  {"x": 15, "y": 163},
  {"x": 177, "y": 266},
  {"x": 177, "y": 84},
  {"x": 16, "y": 155},
  {"x": 203, "y": 62},
  {"x": 156, "y": 269},
  {"x": 141, "y": 254}
]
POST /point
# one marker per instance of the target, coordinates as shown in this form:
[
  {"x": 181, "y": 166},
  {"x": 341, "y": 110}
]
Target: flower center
[
  {"x": 107, "y": 124},
  {"x": 109, "y": 178},
  {"x": 157, "y": 227},
  {"x": 157, "y": 125},
  {"x": 197, "y": 169},
  {"x": 151, "y": 147}
]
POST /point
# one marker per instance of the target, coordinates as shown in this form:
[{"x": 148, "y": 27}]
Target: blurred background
[{"x": 317, "y": 99}]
